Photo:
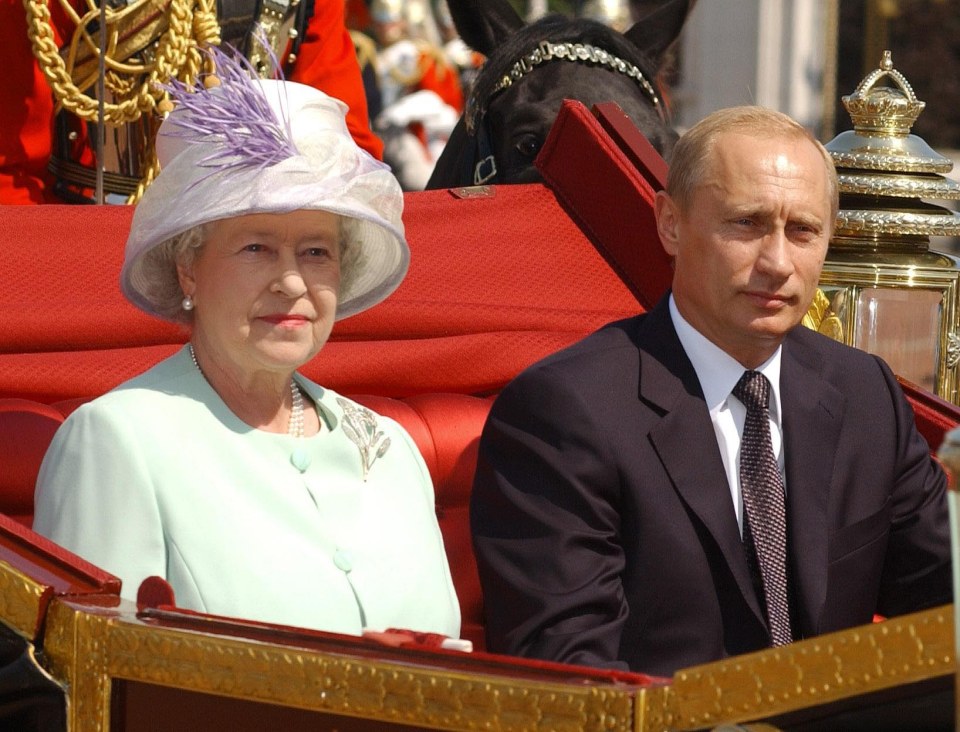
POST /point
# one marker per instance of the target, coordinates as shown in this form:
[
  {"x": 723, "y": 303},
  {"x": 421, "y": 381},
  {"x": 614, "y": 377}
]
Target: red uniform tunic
[
  {"x": 326, "y": 61},
  {"x": 26, "y": 111}
]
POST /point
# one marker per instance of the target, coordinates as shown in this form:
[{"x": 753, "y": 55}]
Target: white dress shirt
[{"x": 719, "y": 373}]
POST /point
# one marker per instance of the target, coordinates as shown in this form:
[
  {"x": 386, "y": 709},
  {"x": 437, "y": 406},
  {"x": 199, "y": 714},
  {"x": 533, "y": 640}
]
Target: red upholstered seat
[
  {"x": 494, "y": 284},
  {"x": 26, "y": 428},
  {"x": 447, "y": 429}
]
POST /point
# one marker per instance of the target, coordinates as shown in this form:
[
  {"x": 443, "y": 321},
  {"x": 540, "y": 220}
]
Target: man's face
[{"x": 749, "y": 248}]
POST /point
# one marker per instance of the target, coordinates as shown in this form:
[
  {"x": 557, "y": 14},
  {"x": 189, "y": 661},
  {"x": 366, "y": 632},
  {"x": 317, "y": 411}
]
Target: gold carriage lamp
[{"x": 889, "y": 293}]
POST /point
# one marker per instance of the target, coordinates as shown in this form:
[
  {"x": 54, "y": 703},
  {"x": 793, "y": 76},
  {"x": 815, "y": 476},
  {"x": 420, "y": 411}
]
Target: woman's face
[{"x": 265, "y": 289}]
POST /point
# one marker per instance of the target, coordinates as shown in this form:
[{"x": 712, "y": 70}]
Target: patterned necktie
[{"x": 764, "y": 502}]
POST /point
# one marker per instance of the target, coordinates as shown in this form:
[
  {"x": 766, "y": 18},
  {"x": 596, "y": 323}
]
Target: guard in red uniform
[
  {"x": 325, "y": 59},
  {"x": 419, "y": 89}
]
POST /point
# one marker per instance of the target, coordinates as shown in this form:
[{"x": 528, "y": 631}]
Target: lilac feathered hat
[{"x": 266, "y": 146}]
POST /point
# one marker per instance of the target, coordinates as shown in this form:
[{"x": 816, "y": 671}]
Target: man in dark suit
[{"x": 612, "y": 523}]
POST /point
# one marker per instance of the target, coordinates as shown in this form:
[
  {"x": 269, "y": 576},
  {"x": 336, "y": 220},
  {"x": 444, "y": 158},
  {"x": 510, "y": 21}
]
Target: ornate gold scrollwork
[
  {"x": 821, "y": 318},
  {"x": 87, "y": 646},
  {"x": 953, "y": 350},
  {"x": 19, "y": 600}
]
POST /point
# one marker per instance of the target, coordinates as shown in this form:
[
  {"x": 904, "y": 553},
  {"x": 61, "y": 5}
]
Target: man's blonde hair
[{"x": 691, "y": 157}]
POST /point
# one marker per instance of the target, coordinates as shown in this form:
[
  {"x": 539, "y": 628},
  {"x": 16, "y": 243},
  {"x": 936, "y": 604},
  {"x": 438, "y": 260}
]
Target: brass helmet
[
  {"x": 614, "y": 13},
  {"x": 387, "y": 11}
]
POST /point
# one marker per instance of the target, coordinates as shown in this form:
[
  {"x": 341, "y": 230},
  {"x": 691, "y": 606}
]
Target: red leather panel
[
  {"x": 494, "y": 284},
  {"x": 26, "y": 428}
]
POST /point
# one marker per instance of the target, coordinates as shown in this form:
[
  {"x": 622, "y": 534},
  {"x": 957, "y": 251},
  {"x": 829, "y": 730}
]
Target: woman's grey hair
[{"x": 160, "y": 284}]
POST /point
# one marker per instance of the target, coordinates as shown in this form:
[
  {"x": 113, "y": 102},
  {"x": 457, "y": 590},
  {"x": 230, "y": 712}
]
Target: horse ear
[
  {"x": 484, "y": 24},
  {"x": 451, "y": 167},
  {"x": 656, "y": 31}
]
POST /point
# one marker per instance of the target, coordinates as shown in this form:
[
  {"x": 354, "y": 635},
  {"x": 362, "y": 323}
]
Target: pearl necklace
[{"x": 295, "y": 425}]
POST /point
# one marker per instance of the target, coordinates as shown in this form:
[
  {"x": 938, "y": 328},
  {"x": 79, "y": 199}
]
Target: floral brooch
[{"x": 360, "y": 425}]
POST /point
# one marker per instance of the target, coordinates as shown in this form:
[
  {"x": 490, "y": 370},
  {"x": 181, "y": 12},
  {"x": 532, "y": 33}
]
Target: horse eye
[{"x": 529, "y": 146}]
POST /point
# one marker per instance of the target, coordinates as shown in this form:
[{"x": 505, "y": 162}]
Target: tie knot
[{"x": 753, "y": 390}]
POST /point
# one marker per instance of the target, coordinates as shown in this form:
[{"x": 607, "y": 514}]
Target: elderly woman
[{"x": 253, "y": 491}]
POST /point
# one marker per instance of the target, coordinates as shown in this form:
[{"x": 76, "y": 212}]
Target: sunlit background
[{"x": 802, "y": 56}]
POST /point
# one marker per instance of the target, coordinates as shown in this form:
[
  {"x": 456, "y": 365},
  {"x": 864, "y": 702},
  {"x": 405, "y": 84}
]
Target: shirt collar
[
  {"x": 717, "y": 370},
  {"x": 321, "y": 398}
]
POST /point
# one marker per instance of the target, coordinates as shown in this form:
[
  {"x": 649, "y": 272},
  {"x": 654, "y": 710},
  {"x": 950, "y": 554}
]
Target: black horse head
[{"x": 531, "y": 69}]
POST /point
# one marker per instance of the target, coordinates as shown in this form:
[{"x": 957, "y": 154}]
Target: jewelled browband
[{"x": 578, "y": 52}]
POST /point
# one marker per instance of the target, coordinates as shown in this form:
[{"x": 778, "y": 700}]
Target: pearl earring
[{"x": 187, "y": 303}]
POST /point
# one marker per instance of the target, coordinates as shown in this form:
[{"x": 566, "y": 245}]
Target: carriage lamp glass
[
  {"x": 903, "y": 319},
  {"x": 884, "y": 289}
]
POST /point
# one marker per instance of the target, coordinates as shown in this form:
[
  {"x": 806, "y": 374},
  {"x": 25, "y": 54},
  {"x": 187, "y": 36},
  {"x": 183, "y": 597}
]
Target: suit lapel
[
  {"x": 686, "y": 443},
  {"x": 812, "y": 415}
]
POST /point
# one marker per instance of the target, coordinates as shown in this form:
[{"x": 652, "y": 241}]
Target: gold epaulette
[
  {"x": 431, "y": 53},
  {"x": 366, "y": 49}
]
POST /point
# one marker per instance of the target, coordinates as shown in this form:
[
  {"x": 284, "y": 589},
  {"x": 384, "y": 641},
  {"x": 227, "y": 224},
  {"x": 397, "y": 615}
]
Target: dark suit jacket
[{"x": 604, "y": 527}]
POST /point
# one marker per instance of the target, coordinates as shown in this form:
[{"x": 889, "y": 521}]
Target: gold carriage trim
[
  {"x": 821, "y": 318},
  {"x": 906, "y": 163},
  {"x": 20, "y": 600},
  {"x": 90, "y": 646},
  {"x": 760, "y": 686},
  {"x": 896, "y": 222},
  {"x": 898, "y": 186},
  {"x": 87, "y": 648},
  {"x": 877, "y": 110}
]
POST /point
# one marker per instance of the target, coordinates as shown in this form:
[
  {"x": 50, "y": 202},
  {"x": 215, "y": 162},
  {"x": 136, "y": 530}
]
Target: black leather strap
[
  {"x": 480, "y": 167},
  {"x": 236, "y": 19}
]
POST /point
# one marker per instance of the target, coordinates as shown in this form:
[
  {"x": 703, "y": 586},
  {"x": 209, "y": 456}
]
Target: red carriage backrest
[{"x": 494, "y": 283}]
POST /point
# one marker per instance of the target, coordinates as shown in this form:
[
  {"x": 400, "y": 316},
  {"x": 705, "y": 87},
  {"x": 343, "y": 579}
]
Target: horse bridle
[{"x": 485, "y": 169}]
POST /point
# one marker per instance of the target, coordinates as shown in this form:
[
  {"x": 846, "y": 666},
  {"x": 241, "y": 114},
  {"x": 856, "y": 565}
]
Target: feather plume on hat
[
  {"x": 248, "y": 145},
  {"x": 250, "y": 132}
]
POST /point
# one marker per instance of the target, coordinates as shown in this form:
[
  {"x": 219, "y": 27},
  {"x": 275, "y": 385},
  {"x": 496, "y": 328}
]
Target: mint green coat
[{"x": 159, "y": 477}]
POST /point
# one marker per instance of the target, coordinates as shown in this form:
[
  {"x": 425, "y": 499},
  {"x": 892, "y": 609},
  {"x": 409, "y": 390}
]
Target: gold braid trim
[
  {"x": 190, "y": 24},
  {"x": 206, "y": 32},
  {"x": 186, "y": 27},
  {"x": 150, "y": 172},
  {"x": 366, "y": 49}
]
